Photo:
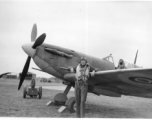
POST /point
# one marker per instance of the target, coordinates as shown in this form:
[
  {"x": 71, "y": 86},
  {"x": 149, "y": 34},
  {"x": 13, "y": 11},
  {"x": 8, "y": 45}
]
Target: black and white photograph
[{"x": 75, "y": 59}]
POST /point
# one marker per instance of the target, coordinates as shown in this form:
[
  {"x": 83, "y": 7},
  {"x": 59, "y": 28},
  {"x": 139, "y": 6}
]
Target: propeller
[
  {"x": 24, "y": 72},
  {"x": 34, "y": 33},
  {"x": 37, "y": 43}
]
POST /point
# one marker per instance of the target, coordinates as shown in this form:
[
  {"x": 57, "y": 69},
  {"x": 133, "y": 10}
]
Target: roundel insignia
[
  {"x": 141, "y": 80},
  {"x": 136, "y": 79}
]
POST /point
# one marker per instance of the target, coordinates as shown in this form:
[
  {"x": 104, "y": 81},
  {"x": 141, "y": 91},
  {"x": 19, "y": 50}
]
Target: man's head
[
  {"x": 120, "y": 61},
  {"x": 83, "y": 61}
]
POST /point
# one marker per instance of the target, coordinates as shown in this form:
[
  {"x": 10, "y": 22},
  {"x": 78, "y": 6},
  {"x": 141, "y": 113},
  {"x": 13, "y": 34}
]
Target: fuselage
[
  {"x": 51, "y": 62},
  {"x": 51, "y": 59}
]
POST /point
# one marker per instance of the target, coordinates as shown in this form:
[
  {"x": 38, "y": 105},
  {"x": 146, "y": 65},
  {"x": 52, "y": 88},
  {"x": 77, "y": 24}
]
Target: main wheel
[
  {"x": 24, "y": 92},
  {"x": 40, "y": 92},
  {"x": 60, "y": 99},
  {"x": 71, "y": 104}
]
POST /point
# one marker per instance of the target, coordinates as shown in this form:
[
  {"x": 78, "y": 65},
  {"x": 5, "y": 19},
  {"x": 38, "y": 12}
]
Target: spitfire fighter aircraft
[{"x": 108, "y": 80}]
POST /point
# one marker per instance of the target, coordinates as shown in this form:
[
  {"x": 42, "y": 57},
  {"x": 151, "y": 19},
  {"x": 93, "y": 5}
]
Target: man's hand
[
  {"x": 92, "y": 73},
  {"x": 71, "y": 69}
]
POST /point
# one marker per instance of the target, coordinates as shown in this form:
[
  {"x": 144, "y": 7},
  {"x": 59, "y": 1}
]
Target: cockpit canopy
[{"x": 109, "y": 58}]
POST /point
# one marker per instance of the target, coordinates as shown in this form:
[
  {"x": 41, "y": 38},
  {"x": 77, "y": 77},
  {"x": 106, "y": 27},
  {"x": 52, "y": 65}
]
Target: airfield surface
[{"x": 12, "y": 103}]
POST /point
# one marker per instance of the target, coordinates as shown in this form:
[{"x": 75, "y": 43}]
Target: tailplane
[{"x": 136, "y": 57}]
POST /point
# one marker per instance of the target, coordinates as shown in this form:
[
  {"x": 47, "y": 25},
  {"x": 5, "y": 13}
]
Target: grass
[{"x": 12, "y": 104}]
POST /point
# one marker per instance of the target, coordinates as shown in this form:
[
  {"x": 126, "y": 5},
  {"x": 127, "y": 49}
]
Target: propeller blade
[
  {"x": 136, "y": 57},
  {"x": 39, "y": 40},
  {"x": 24, "y": 72},
  {"x": 34, "y": 33}
]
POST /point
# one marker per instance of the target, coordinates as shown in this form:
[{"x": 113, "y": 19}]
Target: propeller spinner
[{"x": 29, "y": 50}]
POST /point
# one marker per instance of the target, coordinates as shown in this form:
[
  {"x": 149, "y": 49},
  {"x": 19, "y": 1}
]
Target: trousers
[{"x": 81, "y": 89}]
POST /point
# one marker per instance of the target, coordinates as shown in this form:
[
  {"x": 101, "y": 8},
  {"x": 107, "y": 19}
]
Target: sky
[{"x": 97, "y": 28}]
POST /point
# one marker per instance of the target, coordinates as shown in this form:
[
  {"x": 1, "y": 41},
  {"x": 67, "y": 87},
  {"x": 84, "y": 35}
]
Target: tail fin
[{"x": 136, "y": 57}]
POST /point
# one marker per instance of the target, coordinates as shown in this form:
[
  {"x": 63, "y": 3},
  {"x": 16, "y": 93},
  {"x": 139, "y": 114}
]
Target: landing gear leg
[
  {"x": 69, "y": 105},
  {"x": 61, "y": 98}
]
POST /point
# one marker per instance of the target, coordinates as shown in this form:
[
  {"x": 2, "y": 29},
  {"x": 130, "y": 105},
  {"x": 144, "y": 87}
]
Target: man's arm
[
  {"x": 92, "y": 71},
  {"x": 92, "y": 68},
  {"x": 72, "y": 69}
]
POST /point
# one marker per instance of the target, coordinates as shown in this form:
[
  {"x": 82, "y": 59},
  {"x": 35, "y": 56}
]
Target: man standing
[
  {"x": 33, "y": 84},
  {"x": 81, "y": 85},
  {"x": 121, "y": 64}
]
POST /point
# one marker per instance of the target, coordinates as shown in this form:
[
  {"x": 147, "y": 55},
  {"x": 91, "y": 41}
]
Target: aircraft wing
[
  {"x": 134, "y": 82},
  {"x": 137, "y": 76},
  {"x": 4, "y": 74}
]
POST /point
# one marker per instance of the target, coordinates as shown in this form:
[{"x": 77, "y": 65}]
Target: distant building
[
  {"x": 11, "y": 76},
  {"x": 54, "y": 79},
  {"x": 29, "y": 76}
]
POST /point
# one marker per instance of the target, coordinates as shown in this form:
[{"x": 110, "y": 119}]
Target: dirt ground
[{"x": 12, "y": 104}]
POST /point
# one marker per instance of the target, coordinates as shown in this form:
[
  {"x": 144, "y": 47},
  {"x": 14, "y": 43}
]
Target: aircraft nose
[{"x": 28, "y": 49}]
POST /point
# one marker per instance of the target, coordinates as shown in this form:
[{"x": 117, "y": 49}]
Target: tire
[
  {"x": 71, "y": 104},
  {"x": 24, "y": 92},
  {"x": 60, "y": 99},
  {"x": 40, "y": 92},
  {"x": 31, "y": 96}
]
